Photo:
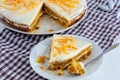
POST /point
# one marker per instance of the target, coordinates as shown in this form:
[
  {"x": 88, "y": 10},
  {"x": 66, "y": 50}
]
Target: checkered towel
[{"x": 99, "y": 26}]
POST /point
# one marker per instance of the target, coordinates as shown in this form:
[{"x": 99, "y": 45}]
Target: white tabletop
[{"x": 110, "y": 69}]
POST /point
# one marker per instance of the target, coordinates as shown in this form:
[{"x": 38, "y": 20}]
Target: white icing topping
[
  {"x": 26, "y": 18},
  {"x": 80, "y": 44}
]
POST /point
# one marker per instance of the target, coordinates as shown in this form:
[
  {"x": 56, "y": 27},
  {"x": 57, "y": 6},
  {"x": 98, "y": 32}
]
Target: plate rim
[{"x": 102, "y": 58}]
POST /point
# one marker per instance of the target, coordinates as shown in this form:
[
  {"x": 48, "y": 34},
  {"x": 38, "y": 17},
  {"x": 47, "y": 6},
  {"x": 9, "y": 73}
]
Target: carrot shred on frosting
[
  {"x": 18, "y": 4},
  {"x": 67, "y": 5},
  {"x": 66, "y": 43}
]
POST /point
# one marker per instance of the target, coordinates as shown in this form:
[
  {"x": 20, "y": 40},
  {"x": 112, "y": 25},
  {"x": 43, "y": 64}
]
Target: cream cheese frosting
[
  {"x": 29, "y": 16},
  {"x": 76, "y": 11},
  {"x": 79, "y": 44},
  {"x": 26, "y": 18}
]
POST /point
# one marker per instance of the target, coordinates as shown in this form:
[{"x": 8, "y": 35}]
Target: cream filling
[
  {"x": 66, "y": 14},
  {"x": 80, "y": 44},
  {"x": 25, "y": 18}
]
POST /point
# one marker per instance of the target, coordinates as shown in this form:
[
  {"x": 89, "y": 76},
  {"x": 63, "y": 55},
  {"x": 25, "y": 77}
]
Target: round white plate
[
  {"x": 43, "y": 47},
  {"x": 46, "y": 23}
]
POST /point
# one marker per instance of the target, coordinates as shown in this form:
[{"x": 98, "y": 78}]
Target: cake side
[
  {"x": 77, "y": 18},
  {"x": 24, "y": 27},
  {"x": 55, "y": 16},
  {"x": 63, "y": 20}
]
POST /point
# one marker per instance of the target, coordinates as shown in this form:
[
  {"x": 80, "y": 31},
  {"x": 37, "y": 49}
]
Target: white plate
[
  {"x": 43, "y": 48},
  {"x": 46, "y": 24}
]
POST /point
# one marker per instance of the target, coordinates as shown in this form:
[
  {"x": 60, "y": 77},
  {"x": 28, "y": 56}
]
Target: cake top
[
  {"x": 15, "y": 5},
  {"x": 66, "y": 47},
  {"x": 63, "y": 44},
  {"x": 67, "y": 5}
]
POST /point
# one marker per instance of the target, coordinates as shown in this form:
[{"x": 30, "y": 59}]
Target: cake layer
[
  {"x": 63, "y": 20},
  {"x": 81, "y": 49},
  {"x": 21, "y": 17},
  {"x": 24, "y": 27}
]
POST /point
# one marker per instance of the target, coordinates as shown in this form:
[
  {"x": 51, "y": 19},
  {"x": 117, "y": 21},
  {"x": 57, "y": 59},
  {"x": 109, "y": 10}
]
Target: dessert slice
[
  {"x": 21, "y": 14},
  {"x": 66, "y": 11},
  {"x": 66, "y": 48},
  {"x": 76, "y": 68}
]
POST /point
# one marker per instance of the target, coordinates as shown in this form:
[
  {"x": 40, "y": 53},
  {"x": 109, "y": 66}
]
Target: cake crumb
[
  {"x": 43, "y": 67},
  {"x": 41, "y": 59},
  {"x": 76, "y": 68},
  {"x": 59, "y": 72},
  {"x": 50, "y": 30}
]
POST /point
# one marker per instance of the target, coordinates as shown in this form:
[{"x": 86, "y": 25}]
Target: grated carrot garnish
[{"x": 67, "y": 5}]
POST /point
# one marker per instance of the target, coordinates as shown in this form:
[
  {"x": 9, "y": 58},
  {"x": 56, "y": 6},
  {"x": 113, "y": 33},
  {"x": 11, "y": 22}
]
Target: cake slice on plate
[
  {"x": 66, "y": 48},
  {"x": 21, "y": 14},
  {"x": 66, "y": 11}
]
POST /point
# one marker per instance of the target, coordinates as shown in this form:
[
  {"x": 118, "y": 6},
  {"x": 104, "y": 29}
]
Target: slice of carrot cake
[{"x": 66, "y": 48}]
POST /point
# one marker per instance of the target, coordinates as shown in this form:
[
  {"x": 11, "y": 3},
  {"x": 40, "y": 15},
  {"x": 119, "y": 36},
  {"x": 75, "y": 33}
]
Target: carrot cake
[
  {"x": 21, "y": 14},
  {"x": 66, "y": 48}
]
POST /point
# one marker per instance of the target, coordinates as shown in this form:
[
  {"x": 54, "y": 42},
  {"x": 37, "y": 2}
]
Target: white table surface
[{"x": 110, "y": 69}]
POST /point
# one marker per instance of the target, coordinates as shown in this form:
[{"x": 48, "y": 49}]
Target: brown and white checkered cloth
[{"x": 99, "y": 26}]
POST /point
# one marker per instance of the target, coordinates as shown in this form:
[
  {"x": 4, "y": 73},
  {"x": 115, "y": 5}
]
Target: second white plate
[{"x": 43, "y": 47}]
